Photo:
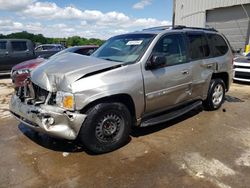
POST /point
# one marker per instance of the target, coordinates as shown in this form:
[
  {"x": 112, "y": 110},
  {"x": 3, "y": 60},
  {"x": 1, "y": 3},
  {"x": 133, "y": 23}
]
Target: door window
[
  {"x": 19, "y": 46},
  {"x": 3, "y": 46},
  {"x": 173, "y": 48},
  {"x": 198, "y": 47}
]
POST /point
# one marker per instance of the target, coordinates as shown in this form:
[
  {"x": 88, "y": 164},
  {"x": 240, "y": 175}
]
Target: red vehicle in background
[{"x": 21, "y": 71}]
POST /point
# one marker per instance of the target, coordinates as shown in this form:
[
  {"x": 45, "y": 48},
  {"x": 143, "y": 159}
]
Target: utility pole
[{"x": 173, "y": 17}]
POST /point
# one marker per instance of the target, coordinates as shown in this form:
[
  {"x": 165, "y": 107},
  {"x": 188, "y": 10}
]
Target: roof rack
[
  {"x": 179, "y": 27},
  {"x": 197, "y": 28}
]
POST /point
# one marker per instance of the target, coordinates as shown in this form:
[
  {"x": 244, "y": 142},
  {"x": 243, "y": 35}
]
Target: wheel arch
[
  {"x": 224, "y": 76},
  {"x": 125, "y": 99}
]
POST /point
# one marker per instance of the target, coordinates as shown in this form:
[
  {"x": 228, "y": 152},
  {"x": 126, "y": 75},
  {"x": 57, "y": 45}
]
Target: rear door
[
  {"x": 4, "y": 55},
  {"x": 169, "y": 85},
  {"x": 200, "y": 57}
]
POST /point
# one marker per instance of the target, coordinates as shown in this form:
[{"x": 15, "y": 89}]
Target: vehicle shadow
[
  {"x": 229, "y": 98},
  {"x": 50, "y": 142},
  {"x": 56, "y": 144},
  {"x": 142, "y": 131}
]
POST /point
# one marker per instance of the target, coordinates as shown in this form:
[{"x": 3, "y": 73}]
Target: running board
[{"x": 171, "y": 115}]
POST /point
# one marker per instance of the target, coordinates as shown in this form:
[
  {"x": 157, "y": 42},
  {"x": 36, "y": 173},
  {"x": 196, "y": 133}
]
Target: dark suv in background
[{"x": 14, "y": 51}]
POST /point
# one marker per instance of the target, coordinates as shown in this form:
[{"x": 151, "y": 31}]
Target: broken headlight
[{"x": 65, "y": 100}]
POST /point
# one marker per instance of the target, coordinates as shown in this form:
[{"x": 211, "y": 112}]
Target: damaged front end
[{"x": 39, "y": 109}]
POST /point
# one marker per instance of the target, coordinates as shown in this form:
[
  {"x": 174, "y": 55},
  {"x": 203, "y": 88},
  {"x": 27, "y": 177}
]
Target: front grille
[
  {"x": 40, "y": 93},
  {"x": 243, "y": 75},
  {"x": 241, "y": 67},
  {"x": 34, "y": 94}
]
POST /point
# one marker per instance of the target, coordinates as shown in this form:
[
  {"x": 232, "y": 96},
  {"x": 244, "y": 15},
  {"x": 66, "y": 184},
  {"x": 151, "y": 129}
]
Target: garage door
[{"x": 233, "y": 22}]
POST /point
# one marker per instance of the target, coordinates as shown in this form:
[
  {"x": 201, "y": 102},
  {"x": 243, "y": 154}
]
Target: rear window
[
  {"x": 199, "y": 47},
  {"x": 3, "y": 46},
  {"x": 19, "y": 46},
  {"x": 219, "y": 44}
]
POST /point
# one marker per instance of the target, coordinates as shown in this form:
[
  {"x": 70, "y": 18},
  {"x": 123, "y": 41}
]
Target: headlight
[
  {"x": 23, "y": 71},
  {"x": 65, "y": 100}
]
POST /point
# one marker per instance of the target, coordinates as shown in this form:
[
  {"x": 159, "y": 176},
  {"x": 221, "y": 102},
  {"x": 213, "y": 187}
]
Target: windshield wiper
[{"x": 108, "y": 59}]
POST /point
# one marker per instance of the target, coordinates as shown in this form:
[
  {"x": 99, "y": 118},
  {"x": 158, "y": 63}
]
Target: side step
[{"x": 171, "y": 115}]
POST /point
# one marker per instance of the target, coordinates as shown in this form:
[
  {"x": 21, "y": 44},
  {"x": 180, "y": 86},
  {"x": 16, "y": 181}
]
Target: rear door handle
[
  {"x": 184, "y": 72},
  {"x": 209, "y": 66}
]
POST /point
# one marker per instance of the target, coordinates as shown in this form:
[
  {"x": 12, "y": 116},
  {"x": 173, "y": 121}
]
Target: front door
[
  {"x": 4, "y": 56},
  {"x": 171, "y": 84}
]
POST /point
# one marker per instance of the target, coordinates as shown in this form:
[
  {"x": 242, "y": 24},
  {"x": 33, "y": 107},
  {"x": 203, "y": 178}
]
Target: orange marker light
[{"x": 68, "y": 102}]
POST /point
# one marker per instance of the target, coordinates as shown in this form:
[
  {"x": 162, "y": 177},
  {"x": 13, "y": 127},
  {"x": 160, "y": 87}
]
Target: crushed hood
[{"x": 59, "y": 73}]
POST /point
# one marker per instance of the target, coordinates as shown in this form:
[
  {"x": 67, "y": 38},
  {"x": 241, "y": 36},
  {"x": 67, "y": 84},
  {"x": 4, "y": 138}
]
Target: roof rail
[
  {"x": 179, "y": 27},
  {"x": 197, "y": 28}
]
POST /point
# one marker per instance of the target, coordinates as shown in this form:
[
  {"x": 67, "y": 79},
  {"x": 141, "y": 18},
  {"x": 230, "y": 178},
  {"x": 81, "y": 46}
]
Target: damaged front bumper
[{"x": 48, "y": 119}]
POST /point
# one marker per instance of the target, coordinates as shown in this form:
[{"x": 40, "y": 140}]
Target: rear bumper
[{"x": 48, "y": 119}]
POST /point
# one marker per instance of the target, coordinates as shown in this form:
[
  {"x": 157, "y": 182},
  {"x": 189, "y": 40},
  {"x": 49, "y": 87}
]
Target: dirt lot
[{"x": 200, "y": 149}]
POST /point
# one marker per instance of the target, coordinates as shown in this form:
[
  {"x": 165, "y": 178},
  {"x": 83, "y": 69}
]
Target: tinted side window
[
  {"x": 173, "y": 48},
  {"x": 3, "y": 46},
  {"x": 199, "y": 47},
  {"x": 220, "y": 46},
  {"x": 87, "y": 51},
  {"x": 19, "y": 46}
]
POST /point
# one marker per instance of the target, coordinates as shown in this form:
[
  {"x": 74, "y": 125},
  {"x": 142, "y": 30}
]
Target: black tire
[
  {"x": 106, "y": 128},
  {"x": 214, "y": 102}
]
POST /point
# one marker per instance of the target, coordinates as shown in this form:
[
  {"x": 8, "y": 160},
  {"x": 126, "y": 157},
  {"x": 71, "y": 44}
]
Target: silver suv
[{"x": 137, "y": 79}]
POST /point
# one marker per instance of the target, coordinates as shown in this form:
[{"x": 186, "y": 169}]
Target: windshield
[{"x": 124, "y": 48}]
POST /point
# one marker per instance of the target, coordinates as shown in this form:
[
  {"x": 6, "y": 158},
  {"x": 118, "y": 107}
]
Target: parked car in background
[
  {"x": 137, "y": 79},
  {"x": 242, "y": 68},
  {"x": 47, "y": 50},
  {"x": 21, "y": 71},
  {"x": 14, "y": 51}
]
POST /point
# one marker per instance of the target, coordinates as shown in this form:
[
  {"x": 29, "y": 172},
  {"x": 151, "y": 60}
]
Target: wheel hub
[
  {"x": 218, "y": 94},
  {"x": 108, "y": 127}
]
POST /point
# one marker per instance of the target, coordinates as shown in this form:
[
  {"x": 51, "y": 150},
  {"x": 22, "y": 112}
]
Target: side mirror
[{"x": 155, "y": 62}]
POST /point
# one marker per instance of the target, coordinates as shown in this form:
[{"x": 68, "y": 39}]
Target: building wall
[
  {"x": 232, "y": 22},
  {"x": 193, "y": 12},
  {"x": 230, "y": 17}
]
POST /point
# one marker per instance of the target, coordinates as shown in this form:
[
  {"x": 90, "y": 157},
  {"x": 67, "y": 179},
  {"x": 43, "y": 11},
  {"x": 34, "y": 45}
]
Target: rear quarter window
[
  {"x": 198, "y": 46},
  {"x": 220, "y": 47},
  {"x": 19, "y": 46}
]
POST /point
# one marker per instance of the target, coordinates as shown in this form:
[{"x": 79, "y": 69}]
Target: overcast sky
[{"x": 86, "y": 18}]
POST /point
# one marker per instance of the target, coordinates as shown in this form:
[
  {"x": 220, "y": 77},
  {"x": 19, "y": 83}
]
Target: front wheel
[
  {"x": 216, "y": 95},
  {"x": 106, "y": 128}
]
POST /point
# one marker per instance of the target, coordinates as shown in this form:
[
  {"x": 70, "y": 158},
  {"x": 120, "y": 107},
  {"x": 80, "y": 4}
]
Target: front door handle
[{"x": 184, "y": 72}]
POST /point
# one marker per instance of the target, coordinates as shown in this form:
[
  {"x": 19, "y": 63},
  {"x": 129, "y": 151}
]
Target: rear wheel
[
  {"x": 216, "y": 95},
  {"x": 106, "y": 128}
]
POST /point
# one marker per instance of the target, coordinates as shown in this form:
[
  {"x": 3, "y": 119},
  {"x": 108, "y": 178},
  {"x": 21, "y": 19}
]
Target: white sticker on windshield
[{"x": 134, "y": 42}]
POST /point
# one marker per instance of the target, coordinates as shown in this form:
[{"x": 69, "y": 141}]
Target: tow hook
[
  {"x": 34, "y": 111},
  {"x": 48, "y": 120},
  {"x": 69, "y": 115}
]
